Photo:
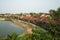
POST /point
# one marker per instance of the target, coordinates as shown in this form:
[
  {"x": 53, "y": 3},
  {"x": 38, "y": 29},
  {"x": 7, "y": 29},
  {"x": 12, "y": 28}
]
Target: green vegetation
[
  {"x": 32, "y": 13},
  {"x": 55, "y": 16},
  {"x": 40, "y": 33},
  {"x": 37, "y": 34},
  {"x": 12, "y": 37},
  {"x": 55, "y": 13},
  {"x": 7, "y": 19}
]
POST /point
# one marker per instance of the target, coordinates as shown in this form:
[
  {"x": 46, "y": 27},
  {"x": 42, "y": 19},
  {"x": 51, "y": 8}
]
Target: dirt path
[{"x": 27, "y": 28}]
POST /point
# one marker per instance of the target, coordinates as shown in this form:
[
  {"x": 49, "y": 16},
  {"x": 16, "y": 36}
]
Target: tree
[
  {"x": 55, "y": 13},
  {"x": 58, "y": 11},
  {"x": 55, "y": 16},
  {"x": 31, "y": 14},
  {"x": 20, "y": 14}
]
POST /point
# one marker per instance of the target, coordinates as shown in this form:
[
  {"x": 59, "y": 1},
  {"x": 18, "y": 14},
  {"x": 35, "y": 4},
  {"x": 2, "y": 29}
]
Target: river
[{"x": 7, "y": 27}]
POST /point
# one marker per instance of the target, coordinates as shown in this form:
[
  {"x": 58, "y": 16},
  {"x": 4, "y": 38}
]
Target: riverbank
[
  {"x": 2, "y": 19},
  {"x": 27, "y": 26}
]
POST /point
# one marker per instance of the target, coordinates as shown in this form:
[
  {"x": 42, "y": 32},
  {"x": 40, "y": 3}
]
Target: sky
[{"x": 27, "y": 6}]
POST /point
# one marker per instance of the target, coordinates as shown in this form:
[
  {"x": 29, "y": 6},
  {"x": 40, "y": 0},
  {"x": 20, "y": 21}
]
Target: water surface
[{"x": 7, "y": 27}]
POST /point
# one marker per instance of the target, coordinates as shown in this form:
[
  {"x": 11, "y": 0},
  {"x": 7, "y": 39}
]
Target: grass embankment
[{"x": 26, "y": 25}]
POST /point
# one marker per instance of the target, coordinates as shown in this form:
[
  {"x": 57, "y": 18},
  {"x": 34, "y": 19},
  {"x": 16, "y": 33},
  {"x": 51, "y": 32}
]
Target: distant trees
[
  {"x": 20, "y": 14},
  {"x": 32, "y": 13}
]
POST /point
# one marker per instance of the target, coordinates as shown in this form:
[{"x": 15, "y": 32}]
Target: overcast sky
[{"x": 18, "y": 6}]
